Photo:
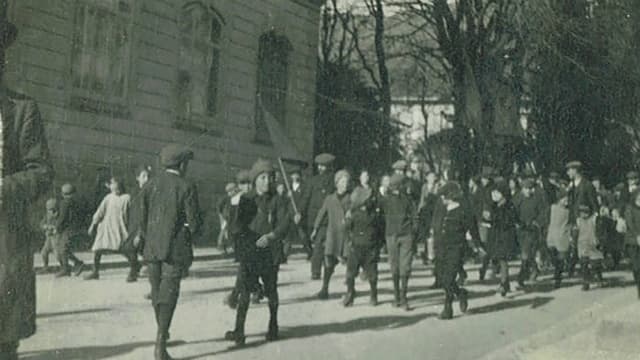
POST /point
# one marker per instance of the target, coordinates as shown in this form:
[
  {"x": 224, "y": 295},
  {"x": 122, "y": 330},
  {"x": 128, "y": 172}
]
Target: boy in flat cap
[
  {"x": 450, "y": 231},
  {"x": 400, "y": 221},
  {"x": 317, "y": 189},
  {"x": 262, "y": 261},
  {"x": 26, "y": 175},
  {"x": 170, "y": 219}
]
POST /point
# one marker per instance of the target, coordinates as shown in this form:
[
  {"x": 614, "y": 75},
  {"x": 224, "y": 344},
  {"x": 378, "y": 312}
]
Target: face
[
  {"x": 527, "y": 191},
  {"x": 431, "y": 178},
  {"x": 484, "y": 181},
  {"x": 114, "y": 187},
  {"x": 496, "y": 196},
  {"x": 341, "y": 185},
  {"x": 512, "y": 184},
  {"x": 384, "y": 182},
  {"x": 322, "y": 168},
  {"x": 596, "y": 184},
  {"x": 364, "y": 178},
  {"x": 584, "y": 215},
  {"x": 244, "y": 187},
  {"x": 280, "y": 189},
  {"x": 262, "y": 183},
  {"x": 572, "y": 173},
  {"x": 142, "y": 178},
  {"x": 295, "y": 178}
]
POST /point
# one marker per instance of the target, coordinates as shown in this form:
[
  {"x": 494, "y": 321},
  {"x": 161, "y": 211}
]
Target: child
[
  {"x": 502, "y": 232},
  {"x": 224, "y": 209},
  {"x": 110, "y": 220},
  {"x": 588, "y": 247},
  {"x": 559, "y": 234},
  {"x": 631, "y": 226},
  {"x": 48, "y": 225},
  {"x": 68, "y": 227}
]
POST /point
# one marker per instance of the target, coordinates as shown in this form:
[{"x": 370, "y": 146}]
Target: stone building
[{"x": 116, "y": 80}]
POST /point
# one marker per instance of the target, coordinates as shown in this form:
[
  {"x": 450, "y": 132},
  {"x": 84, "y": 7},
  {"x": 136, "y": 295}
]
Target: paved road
[{"x": 109, "y": 319}]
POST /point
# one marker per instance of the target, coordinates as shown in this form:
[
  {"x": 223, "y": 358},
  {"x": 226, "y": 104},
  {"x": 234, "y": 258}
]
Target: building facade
[{"x": 116, "y": 80}]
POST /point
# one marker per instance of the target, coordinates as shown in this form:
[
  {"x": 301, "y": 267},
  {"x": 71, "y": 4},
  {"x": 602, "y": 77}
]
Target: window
[
  {"x": 273, "y": 78},
  {"x": 100, "y": 53},
  {"x": 197, "y": 84}
]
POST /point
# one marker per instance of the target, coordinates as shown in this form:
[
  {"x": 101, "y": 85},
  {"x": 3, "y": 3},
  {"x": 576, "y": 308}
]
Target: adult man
[
  {"x": 581, "y": 192},
  {"x": 25, "y": 174},
  {"x": 170, "y": 218},
  {"x": 316, "y": 190},
  {"x": 260, "y": 258}
]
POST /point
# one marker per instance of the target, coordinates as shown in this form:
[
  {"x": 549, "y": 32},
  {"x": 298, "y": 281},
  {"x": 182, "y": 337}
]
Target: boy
[{"x": 51, "y": 236}]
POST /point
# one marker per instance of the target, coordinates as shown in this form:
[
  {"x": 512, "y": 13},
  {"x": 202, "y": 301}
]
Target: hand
[
  {"x": 235, "y": 200},
  {"x": 263, "y": 242},
  {"x": 296, "y": 218},
  {"x": 486, "y": 215}
]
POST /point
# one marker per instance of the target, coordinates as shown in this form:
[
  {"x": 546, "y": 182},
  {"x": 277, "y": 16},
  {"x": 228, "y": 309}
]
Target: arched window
[
  {"x": 273, "y": 79},
  {"x": 199, "y": 62}
]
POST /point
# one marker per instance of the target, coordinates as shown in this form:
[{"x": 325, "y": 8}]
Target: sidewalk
[{"x": 605, "y": 331}]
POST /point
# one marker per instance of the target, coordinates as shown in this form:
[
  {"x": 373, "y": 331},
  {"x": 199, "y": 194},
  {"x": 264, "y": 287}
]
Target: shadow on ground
[
  {"x": 71, "y": 312},
  {"x": 85, "y": 352}
]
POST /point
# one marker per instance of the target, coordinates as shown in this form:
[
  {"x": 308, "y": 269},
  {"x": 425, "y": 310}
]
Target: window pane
[{"x": 213, "y": 82}]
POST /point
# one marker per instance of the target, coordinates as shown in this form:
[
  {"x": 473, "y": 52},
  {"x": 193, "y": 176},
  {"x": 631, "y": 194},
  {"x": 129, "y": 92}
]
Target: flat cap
[
  {"x": 324, "y": 159},
  {"x": 174, "y": 154},
  {"x": 451, "y": 190},
  {"x": 68, "y": 189},
  {"x": 399, "y": 165},
  {"x": 574, "y": 165},
  {"x": 243, "y": 176},
  {"x": 633, "y": 175},
  {"x": 261, "y": 166}
]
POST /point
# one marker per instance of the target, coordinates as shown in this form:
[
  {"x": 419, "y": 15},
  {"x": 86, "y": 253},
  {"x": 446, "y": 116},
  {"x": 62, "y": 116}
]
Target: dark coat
[
  {"x": 333, "y": 211},
  {"x": 502, "y": 233},
  {"x": 583, "y": 194},
  {"x": 26, "y": 176},
  {"x": 314, "y": 193},
  {"x": 170, "y": 218},
  {"x": 362, "y": 222}
]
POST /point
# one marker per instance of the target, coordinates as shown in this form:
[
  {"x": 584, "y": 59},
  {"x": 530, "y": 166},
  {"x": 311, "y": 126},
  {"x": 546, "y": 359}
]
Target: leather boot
[
  {"x": 396, "y": 290},
  {"x": 373, "y": 300},
  {"x": 273, "y": 331},
  {"x": 404, "y": 302},
  {"x": 522, "y": 275},
  {"x": 237, "y": 334},
  {"x": 447, "y": 312},
  {"x": 463, "y": 299},
  {"x": 160, "y": 350},
  {"x": 347, "y": 301},
  {"x": 324, "y": 291}
]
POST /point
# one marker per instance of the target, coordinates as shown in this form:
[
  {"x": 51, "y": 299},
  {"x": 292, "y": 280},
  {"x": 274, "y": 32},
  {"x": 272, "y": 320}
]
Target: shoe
[
  {"x": 373, "y": 300},
  {"x": 93, "y": 276},
  {"x": 78, "y": 269},
  {"x": 272, "y": 334},
  {"x": 521, "y": 284},
  {"x": 315, "y": 277},
  {"x": 504, "y": 289},
  {"x": 481, "y": 274},
  {"x": 463, "y": 298},
  {"x": 132, "y": 278},
  {"x": 447, "y": 312},
  {"x": 585, "y": 287},
  {"x": 323, "y": 295},
  {"x": 63, "y": 273},
  {"x": 236, "y": 337},
  {"x": 347, "y": 301},
  {"x": 44, "y": 270}
]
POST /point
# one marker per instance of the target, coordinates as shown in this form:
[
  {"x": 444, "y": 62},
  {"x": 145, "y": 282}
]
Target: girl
[
  {"x": 559, "y": 234},
  {"x": 110, "y": 220}
]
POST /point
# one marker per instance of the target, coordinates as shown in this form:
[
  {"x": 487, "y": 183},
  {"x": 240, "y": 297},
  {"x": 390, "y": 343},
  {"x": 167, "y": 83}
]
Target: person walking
[
  {"x": 170, "y": 219},
  {"x": 51, "y": 236},
  {"x": 559, "y": 235},
  {"x": 111, "y": 222},
  {"x": 632, "y": 236},
  {"x": 69, "y": 226},
  {"x": 501, "y": 237},
  {"x": 26, "y": 175}
]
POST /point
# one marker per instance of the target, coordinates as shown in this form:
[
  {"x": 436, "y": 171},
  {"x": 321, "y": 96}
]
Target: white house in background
[{"x": 408, "y": 112}]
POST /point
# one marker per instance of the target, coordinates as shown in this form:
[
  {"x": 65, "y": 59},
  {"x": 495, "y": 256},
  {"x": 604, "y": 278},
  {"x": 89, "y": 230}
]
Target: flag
[{"x": 282, "y": 144}]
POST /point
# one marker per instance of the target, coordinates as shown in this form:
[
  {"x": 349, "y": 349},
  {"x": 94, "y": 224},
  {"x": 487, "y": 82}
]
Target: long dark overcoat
[{"x": 26, "y": 176}]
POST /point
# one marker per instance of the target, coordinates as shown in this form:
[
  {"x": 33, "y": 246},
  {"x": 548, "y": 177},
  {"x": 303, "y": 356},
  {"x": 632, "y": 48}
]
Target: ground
[{"x": 110, "y": 319}]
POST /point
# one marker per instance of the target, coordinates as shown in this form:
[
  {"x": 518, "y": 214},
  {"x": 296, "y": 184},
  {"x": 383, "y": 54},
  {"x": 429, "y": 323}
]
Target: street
[{"x": 110, "y": 319}]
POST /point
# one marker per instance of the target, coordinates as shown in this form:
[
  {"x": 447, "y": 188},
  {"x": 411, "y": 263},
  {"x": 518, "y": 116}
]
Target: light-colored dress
[
  {"x": 111, "y": 219},
  {"x": 559, "y": 232}
]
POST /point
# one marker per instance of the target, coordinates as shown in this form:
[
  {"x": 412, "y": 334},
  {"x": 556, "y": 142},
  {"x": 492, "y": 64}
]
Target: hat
[
  {"x": 451, "y": 190},
  {"x": 261, "y": 166},
  {"x": 395, "y": 181},
  {"x": 399, "y": 165},
  {"x": 584, "y": 209},
  {"x": 633, "y": 175},
  {"x": 341, "y": 174},
  {"x": 68, "y": 189},
  {"x": 229, "y": 187},
  {"x": 487, "y": 172},
  {"x": 8, "y": 33},
  {"x": 528, "y": 183},
  {"x": 324, "y": 159},
  {"x": 174, "y": 154},
  {"x": 243, "y": 176},
  {"x": 52, "y": 204},
  {"x": 502, "y": 187},
  {"x": 574, "y": 165}
]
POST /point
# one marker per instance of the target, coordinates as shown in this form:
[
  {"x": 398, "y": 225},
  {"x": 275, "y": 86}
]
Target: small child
[
  {"x": 588, "y": 247},
  {"x": 224, "y": 214},
  {"x": 48, "y": 226}
]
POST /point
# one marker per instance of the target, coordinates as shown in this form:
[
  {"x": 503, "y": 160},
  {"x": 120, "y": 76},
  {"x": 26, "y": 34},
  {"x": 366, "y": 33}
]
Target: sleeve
[
  {"x": 321, "y": 214},
  {"x": 192, "y": 210},
  {"x": 34, "y": 175},
  {"x": 283, "y": 218},
  {"x": 63, "y": 217},
  {"x": 102, "y": 209},
  {"x": 143, "y": 219},
  {"x": 472, "y": 227}
]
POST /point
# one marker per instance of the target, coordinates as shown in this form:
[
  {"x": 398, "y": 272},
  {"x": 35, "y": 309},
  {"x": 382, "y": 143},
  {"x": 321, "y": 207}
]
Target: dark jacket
[
  {"x": 26, "y": 176},
  {"x": 451, "y": 226},
  {"x": 399, "y": 214},
  {"x": 362, "y": 222},
  {"x": 583, "y": 194},
  {"x": 314, "y": 193},
  {"x": 532, "y": 211},
  {"x": 170, "y": 218},
  {"x": 632, "y": 217},
  {"x": 502, "y": 233},
  {"x": 70, "y": 220}
]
